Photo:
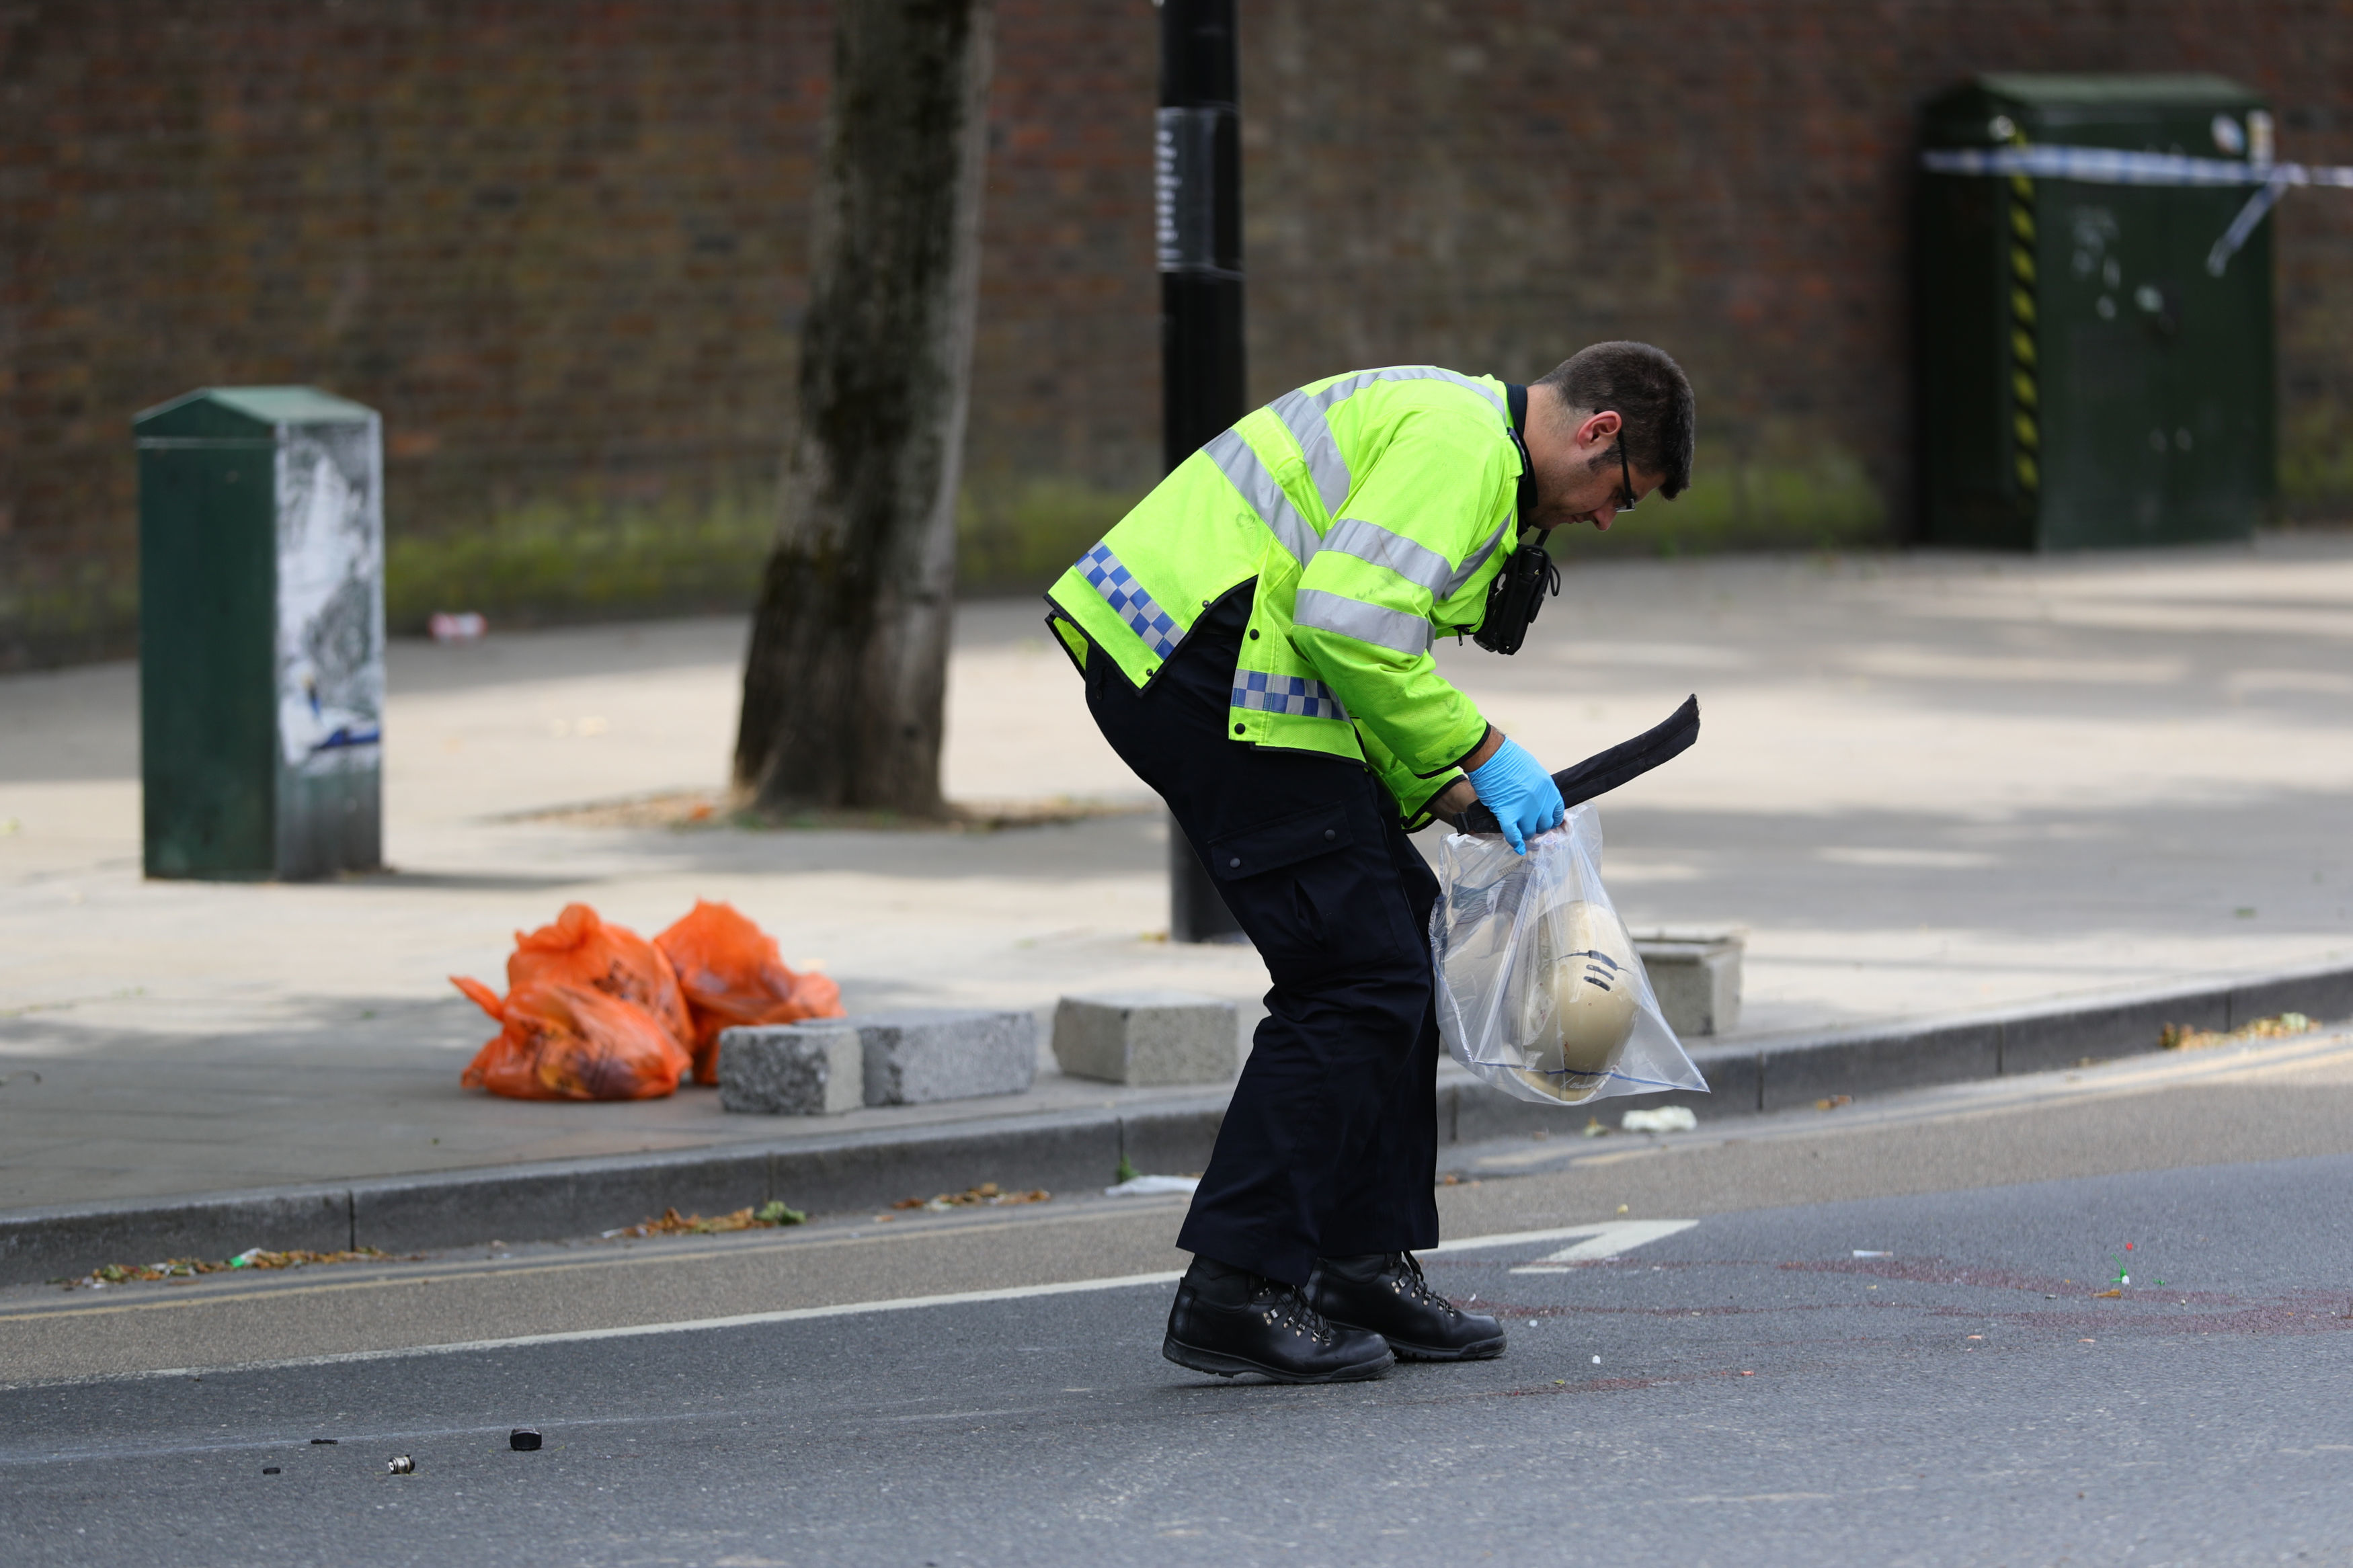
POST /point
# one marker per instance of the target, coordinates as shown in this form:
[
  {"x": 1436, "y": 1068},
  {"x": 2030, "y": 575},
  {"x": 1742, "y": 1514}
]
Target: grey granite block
[
  {"x": 816, "y": 1069},
  {"x": 1148, "y": 1037},
  {"x": 1695, "y": 975},
  {"x": 919, "y": 1055}
]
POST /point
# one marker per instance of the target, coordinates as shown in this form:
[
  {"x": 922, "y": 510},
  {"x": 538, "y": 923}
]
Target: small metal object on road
[
  {"x": 269, "y": 1469},
  {"x": 400, "y": 1465},
  {"x": 523, "y": 1439},
  {"x": 322, "y": 1442}
]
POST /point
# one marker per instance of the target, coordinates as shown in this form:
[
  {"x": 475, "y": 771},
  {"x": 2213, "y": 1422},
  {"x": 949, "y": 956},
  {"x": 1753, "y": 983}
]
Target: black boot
[
  {"x": 1386, "y": 1293},
  {"x": 1228, "y": 1321}
]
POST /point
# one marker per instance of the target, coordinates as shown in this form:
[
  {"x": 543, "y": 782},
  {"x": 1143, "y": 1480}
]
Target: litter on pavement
[
  {"x": 1152, "y": 1186},
  {"x": 523, "y": 1439},
  {"x": 400, "y": 1465},
  {"x": 1664, "y": 1118}
]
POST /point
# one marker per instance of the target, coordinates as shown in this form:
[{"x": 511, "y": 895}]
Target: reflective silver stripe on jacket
[
  {"x": 1302, "y": 414},
  {"x": 1478, "y": 558},
  {"x": 1254, "y": 689},
  {"x": 1248, "y": 474},
  {"x": 1391, "y": 629},
  {"x": 1416, "y": 564},
  {"x": 1305, "y": 419}
]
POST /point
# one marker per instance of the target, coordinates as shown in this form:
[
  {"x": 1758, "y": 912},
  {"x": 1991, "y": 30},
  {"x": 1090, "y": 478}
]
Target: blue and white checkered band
[
  {"x": 1124, "y": 593},
  {"x": 1285, "y": 694}
]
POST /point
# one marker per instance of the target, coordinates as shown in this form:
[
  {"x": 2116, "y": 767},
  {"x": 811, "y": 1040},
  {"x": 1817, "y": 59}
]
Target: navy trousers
[{"x": 1330, "y": 1146}]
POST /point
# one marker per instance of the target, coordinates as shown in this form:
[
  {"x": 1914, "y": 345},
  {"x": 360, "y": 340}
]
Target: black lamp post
[{"x": 1199, "y": 218}]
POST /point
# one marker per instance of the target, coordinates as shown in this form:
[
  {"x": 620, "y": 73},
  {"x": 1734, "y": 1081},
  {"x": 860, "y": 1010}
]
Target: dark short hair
[{"x": 1646, "y": 389}]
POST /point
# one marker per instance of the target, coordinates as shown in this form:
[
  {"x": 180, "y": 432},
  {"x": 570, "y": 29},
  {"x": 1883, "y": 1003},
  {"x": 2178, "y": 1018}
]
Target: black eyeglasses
[{"x": 1626, "y": 498}]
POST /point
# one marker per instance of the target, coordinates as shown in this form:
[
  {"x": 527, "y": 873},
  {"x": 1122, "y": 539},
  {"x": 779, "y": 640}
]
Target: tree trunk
[{"x": 844, "y": 686}]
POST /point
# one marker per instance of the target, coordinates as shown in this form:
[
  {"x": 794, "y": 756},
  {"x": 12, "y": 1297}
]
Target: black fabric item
[
  {"x": 1388, "y": 1294},
  {"x": 1330, "y": 1144},
  {"x": 1605, "y": 770},
  {"x": 1275, "y": 1334}
]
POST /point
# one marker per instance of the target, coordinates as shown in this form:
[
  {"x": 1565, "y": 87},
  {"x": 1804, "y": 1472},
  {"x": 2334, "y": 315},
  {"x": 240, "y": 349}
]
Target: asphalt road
[{"x": 1883, "y": 1336}]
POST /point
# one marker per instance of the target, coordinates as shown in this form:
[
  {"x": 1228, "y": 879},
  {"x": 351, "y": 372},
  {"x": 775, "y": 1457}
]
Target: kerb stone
[
  {"x": 1148, "y": 1037},
  {"x": 792, "y": 1069},
  {"x": 1695, "y": 975},
  {"x": 924, "y": 1054}
]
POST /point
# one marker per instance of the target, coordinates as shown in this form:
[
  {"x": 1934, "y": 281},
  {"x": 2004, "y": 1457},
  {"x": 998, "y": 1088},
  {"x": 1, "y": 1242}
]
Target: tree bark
[{"x": 844, "y": 686}]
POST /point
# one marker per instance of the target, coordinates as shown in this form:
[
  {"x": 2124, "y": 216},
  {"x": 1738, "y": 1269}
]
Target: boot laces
[
  {"x": 1285, "y": 1307},
  {"x": 1410, "y": 1282}
]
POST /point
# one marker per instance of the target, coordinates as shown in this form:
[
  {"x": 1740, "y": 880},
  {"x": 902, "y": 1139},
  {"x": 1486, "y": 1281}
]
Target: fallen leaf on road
[
  {"x": 985, "y": 1193},
  {"x": 1833, "y": 1102},
  {"x": 107, "y": 1274},
  {"x": 2183, "y": 1038},
  {"x": 673, "y": 1223}
]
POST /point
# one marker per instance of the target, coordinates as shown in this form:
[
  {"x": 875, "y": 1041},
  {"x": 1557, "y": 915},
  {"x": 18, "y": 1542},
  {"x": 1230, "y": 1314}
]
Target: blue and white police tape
[{"x": 2112, "y": 166}]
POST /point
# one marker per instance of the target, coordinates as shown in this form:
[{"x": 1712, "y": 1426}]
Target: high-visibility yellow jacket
[{"x": 1373, "y": 510}]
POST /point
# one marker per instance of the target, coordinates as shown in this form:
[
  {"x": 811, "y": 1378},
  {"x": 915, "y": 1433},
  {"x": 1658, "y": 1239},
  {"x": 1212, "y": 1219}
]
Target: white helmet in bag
[{"x": 1576, "y": 1001}]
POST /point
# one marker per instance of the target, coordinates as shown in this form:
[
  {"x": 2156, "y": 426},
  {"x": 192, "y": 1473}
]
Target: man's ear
[{"x": 1599, "y": 429}]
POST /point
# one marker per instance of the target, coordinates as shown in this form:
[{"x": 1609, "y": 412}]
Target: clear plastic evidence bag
[{"x": 1539, "y": 990}]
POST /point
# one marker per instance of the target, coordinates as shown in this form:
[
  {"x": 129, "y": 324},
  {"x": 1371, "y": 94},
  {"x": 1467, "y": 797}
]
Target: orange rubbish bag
[
  {"x": 592, "y": 1012},
  {"x": 731, "y": 974},
  {"x": 567, "y": 1042},
  {"x": 580, "y": 949}
]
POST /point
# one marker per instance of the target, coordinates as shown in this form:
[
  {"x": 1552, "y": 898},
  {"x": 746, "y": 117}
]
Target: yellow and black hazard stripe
[{"x": 2025, "y": 361}]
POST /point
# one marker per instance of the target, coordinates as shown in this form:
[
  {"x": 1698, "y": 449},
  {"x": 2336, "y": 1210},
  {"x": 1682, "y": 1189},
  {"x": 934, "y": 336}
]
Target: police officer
[{"x": 1255, "y": 638}]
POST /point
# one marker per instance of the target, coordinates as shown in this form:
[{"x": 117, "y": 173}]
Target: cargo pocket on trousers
[
  {"x": 1286, "y": 841},
  {"x": 1314, "y": 893}
]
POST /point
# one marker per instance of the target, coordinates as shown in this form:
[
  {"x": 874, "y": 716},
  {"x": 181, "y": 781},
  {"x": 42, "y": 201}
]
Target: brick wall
[{"x": 559, "y": 243}]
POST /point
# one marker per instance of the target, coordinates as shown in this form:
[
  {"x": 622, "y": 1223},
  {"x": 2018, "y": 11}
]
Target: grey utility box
[{"x": 260, "y": 634}]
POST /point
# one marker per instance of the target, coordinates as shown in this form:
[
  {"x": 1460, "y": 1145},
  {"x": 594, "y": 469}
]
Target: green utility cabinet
[
  {"x": 260, "y": 634},
  {"x": 2083, "y": 379}
]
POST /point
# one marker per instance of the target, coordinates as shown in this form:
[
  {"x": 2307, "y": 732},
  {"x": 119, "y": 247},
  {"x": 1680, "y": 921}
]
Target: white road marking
[
  {"x": 1605, "y": 1241},
  {"x": 634, "y": 1330},
  {"x": 1616, "y": 1234}
]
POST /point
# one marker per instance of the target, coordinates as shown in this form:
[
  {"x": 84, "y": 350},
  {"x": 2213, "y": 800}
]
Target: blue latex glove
[{"x": 1514, "y": 786}]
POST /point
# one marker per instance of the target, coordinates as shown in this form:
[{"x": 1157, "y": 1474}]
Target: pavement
[
  {"x": 2091, "y": 1316},
  {"x": 1930, "y": 786}
]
